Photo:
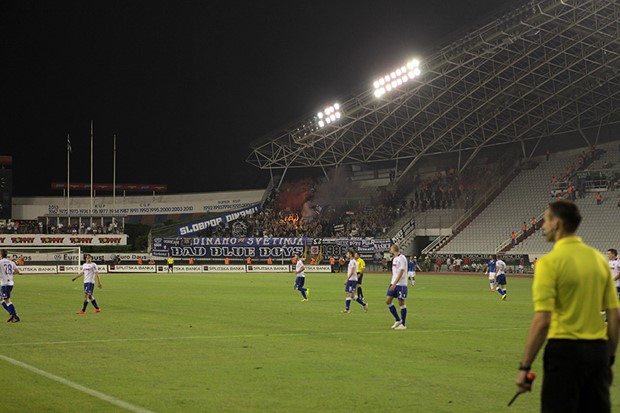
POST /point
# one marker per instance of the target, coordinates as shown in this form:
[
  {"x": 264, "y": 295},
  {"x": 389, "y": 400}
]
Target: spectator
[{"x": 599, "y": 198}]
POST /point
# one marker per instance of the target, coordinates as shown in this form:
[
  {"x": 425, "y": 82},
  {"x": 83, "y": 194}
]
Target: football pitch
[{"x": 246, "y": 343}]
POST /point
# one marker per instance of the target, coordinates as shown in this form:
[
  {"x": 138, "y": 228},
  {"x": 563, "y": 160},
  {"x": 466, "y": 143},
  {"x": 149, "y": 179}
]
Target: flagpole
[
  {"x": 91, "y": 173},
  {"x": 114, "y": 186},
  {"x": 68, "y": 179}
]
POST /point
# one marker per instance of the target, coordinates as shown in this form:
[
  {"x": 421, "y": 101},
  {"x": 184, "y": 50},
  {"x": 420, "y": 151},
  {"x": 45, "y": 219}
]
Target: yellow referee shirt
[
  {"x": 574, "y": 283},
  {"x": 361, "y": 265},
  {"x": 170, "y": 260}
]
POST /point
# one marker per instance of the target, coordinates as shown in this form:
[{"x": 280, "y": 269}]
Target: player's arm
[
  {"x": 617, "y": 277},
  {"x": 302, "y": 269},
  {"x": 78, "y": 276},
  {"x": 350, "y": 272},
  {"x": 98, "y": 279}
]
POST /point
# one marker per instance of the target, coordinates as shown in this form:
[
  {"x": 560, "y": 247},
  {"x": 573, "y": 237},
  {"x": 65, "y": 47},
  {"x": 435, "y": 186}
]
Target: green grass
[{"x": 245, "y": 343}]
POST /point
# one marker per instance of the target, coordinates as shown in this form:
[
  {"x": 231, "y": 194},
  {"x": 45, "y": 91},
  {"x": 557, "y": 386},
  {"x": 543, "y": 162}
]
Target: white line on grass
[
  {"x": 69, "y": 383},
  {"x": 123, "y": 340}
]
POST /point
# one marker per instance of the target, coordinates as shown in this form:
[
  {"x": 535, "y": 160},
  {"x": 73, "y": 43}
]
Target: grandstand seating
[{"x": 526, "y": 196}]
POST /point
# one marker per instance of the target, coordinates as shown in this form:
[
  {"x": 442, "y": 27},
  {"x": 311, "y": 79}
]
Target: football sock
[
  {"x": 491, "y": 285},
  {"x": 499, "y": 290},
  {"x": 403, "y": 313},
  {"x": 6, "y": 307},
  {"x": 348, "y": 303},
  {"x": 303, "y": 293},
  {"x": 360, "y": 293},
  {"x": 94, "y": 302},
  {"x": 11, "y": 309},
  {"x": 85, "y": 305},
  {"x": 392, "y": 309},
  {"x": 359, "y": 300}
]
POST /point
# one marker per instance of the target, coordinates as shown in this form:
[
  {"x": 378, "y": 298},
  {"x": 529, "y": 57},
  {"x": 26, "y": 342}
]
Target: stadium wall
[{"x": 136, "y": 205}]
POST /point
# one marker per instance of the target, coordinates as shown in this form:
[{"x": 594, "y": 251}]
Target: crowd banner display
[
  {"x": 369, "y": 248},
  {"x": 195, "y": 227},
  {"x": 404, "y": 232},
  {"x": 233, "y": 248},
  {"x": 268, "y": 268},
  {"x": 62, "y": 239},
  {"x": 223, "y": 268},
  {"x": 132, "y": 268}
]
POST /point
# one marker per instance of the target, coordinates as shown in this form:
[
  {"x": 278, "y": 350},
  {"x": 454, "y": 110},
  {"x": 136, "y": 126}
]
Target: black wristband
[
  {"x": 524, "y": 368},
  {"x": 612, "y": 360}
]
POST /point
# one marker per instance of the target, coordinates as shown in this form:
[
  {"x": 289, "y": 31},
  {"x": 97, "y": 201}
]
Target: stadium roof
[{"x": 546, "y": 68}]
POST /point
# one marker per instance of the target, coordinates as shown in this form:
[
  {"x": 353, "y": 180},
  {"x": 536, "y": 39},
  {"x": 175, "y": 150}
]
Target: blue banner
[
  {"x": 195, "y": 227},
  {"x": 220, "y": 248}
]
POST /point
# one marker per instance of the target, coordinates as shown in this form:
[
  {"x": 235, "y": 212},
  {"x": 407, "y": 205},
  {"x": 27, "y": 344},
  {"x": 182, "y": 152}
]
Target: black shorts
[
  {"x": 170, "y": 265},
  {"x": 576, "y": 377},
  {"x": 359, "y": 278}
]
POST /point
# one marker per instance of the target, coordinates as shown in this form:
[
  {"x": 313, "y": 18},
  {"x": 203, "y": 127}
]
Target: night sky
[{"x": 186, "y": 86}]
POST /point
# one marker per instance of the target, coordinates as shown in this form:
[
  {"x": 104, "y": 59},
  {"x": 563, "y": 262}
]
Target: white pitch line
[
  {"x": 123, "y": 340},
  {"x": 69, "y": 383}
]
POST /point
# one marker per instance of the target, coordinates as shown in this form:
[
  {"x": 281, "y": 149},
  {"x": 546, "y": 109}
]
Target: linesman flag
[{"x": 68, "y": 144}]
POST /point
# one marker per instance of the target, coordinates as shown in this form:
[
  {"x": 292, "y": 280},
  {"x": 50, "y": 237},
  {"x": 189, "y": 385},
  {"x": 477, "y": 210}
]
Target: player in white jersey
[
  {"x": 350, "y": 284},
  {"x": 7, "y": 269},
  {"x": 614, "y": 266},
  {"x": 398, "y": 288},
  {"x": 90, "y": 272},
  {"x": 500, "y": 278},
  {"x": 300, "y": 280}
]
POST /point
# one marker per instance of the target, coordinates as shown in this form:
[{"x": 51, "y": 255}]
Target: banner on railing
[
  {"x": 13, "y": 240},
  {"x": 195, "y": 227},
  {"x": 234, "y": 248},
  {"x": 369, "y": 248},
  {"x": 404, "y": 232}
]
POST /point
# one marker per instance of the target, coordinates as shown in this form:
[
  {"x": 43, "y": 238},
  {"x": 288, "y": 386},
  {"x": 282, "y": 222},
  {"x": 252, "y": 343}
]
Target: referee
[{"x": 571, "y": 285}]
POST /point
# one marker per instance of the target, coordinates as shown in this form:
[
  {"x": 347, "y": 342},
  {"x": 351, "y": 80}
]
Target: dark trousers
[{"x": 576, "y": 377}]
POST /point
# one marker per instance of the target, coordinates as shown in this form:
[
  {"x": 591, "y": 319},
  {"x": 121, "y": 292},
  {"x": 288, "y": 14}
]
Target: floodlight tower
[{"x": 398, "y": 77}]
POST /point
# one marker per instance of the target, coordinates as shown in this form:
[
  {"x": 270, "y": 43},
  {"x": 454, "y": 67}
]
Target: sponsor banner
[
  {"x": 38, "y": 269},
  {"x": 234, "y": 248},
  {"x": 268, "y": 268},
  {"x": 75, "y": 269},
  {"x": 404, "y": 232},
  {"x": 180, "y": 268},
  {"x": 318, "y": 268},
  {"x": 198, "y": 226},
  {"x": 223, "y": 268},
  {"x": 61, "y": 239},
  {"x": 132, "y": 268}
]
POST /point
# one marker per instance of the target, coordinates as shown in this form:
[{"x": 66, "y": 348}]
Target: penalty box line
[
  {"x": 266, "y": 335},
  {"x": 101, "y": 396}
]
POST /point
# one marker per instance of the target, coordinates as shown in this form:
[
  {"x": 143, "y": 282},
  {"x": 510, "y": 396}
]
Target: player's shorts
[
  {"x": 399, "y": 292},
  {"x": 170, "y": 265},
  {"x": 351, "y": 286},
  {"x": 492, "y": 276},
  {"x": 299, "y": 283},
  {"x": 411, "y": 274},
  {"x": 359, "y": 278},
  {"x": 89, "y": 288},
  {"x": 6, "y": 291},
  {"x": 500, "y": 279}
]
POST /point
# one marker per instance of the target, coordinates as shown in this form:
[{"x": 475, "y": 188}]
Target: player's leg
[
  {"x": 7, "y": 304},
  {"x": 92, "y": 300},
  {"x": 347, "y": 302},
  {"x": 492, "y": 281},
  {"x": 299, "y": 285},
  {"x": 388, "y": 300},
  {"x": 403, "y": 307}
]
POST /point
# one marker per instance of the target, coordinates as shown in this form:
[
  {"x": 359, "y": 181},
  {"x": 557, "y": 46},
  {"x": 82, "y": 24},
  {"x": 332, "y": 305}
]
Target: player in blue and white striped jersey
[
  {"x": 398, "y": 288},
  {"x": 350, "y": 284},
  {"x": 7, "y": 269},
  {"x": 90, "y": 272},
  {"x": 500, "y": 278},
  {"x": 300, "y": 279}
]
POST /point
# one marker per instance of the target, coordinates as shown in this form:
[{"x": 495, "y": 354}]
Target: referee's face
[{"x": 550, "y": 226}]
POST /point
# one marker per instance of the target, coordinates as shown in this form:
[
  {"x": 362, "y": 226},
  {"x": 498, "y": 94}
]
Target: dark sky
[{"x": 187, "y": 85}]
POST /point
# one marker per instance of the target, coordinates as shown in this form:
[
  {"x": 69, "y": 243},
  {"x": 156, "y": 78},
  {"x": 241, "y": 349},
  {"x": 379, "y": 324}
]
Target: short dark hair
[
  {"x": 3, "y": 253},
  {"x": 613, "y": 251},
  {"x": 568, "y": 213},
  {"x": 351, "y": 251}
]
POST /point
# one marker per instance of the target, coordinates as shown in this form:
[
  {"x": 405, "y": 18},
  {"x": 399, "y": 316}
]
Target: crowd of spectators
[{"x": 39, "y": 227}]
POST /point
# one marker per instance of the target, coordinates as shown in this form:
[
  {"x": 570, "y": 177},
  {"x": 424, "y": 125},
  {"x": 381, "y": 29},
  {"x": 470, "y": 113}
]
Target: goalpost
[{"x": 70, "y": 256}]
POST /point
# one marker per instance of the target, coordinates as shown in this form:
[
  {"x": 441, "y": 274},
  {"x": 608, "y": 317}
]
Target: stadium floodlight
[
  {"x": 328, "y": 115},
  {"x": 396, "y": 78}
]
